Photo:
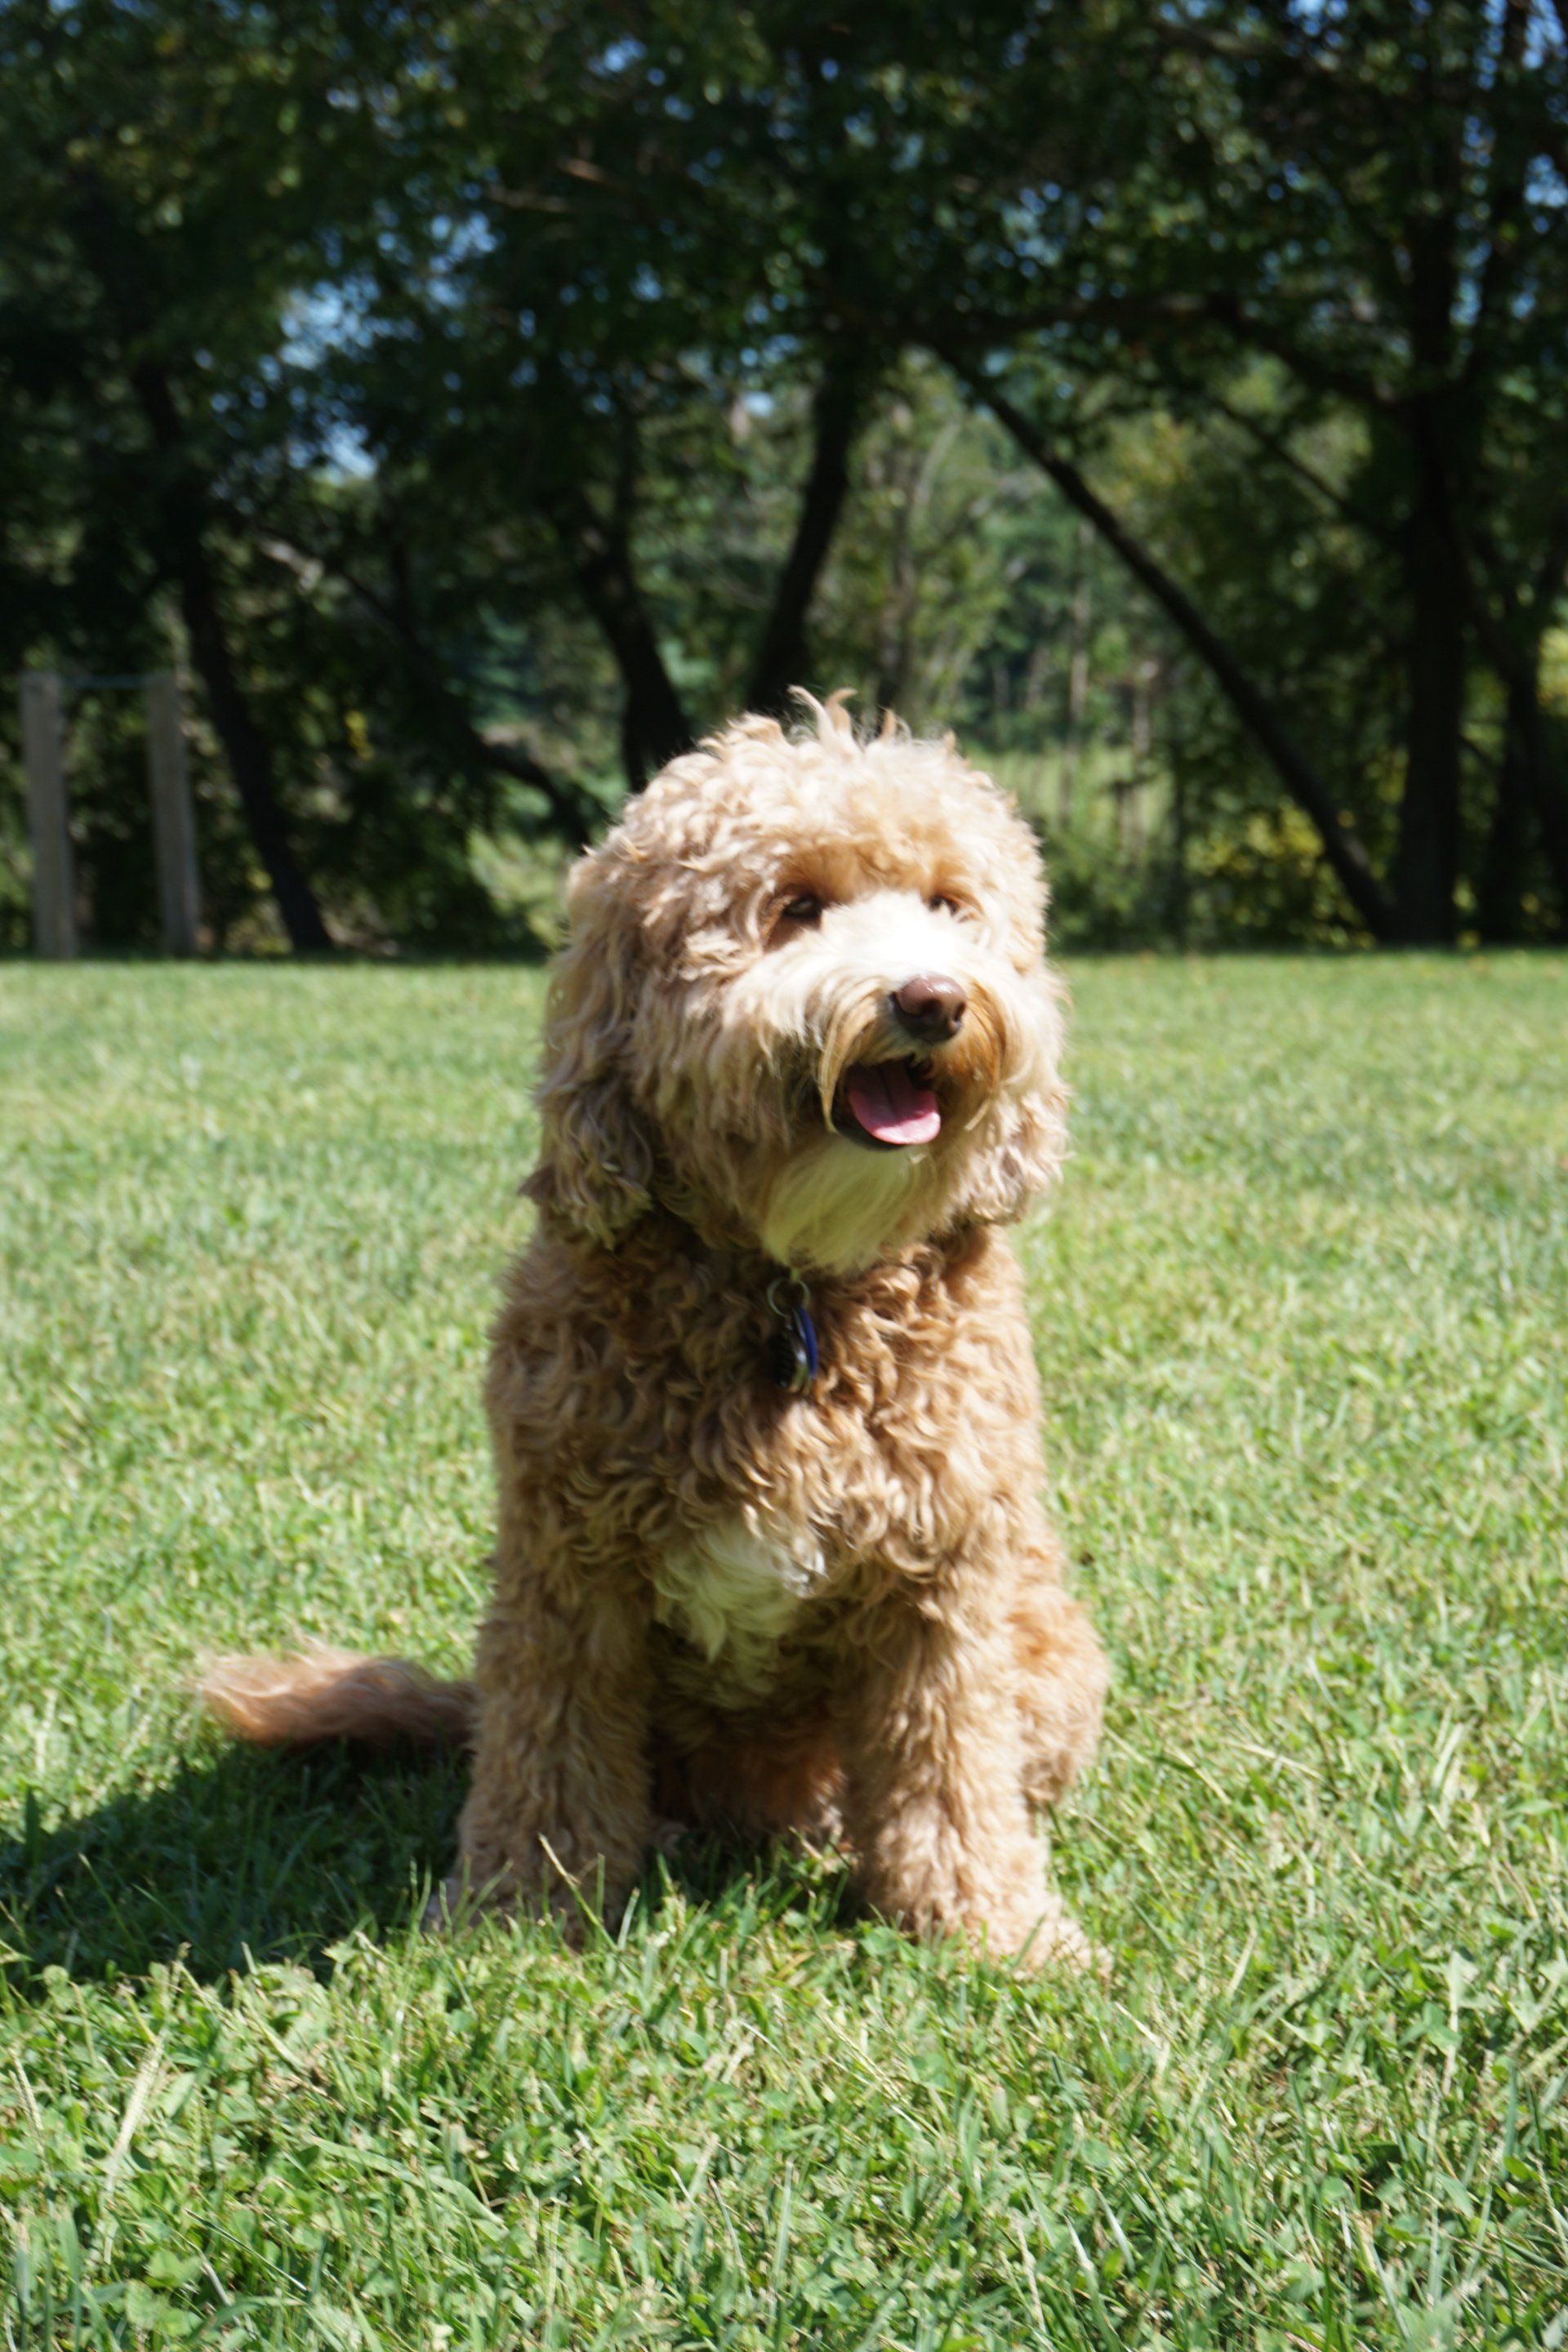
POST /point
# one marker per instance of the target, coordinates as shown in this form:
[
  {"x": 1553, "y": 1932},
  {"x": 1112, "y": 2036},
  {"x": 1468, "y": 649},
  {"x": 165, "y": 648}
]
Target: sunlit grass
[{"x": 1301, "y": 1321}]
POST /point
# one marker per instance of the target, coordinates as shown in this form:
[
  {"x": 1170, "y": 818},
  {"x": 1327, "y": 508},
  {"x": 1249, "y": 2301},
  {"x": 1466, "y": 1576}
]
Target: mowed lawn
[{"x": 1303, "y": 1320}]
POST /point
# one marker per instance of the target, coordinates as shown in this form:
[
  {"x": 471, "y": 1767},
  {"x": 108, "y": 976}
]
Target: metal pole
[
  {"x": 49, "y": 820},
  {"x": 173, "y": 820}
]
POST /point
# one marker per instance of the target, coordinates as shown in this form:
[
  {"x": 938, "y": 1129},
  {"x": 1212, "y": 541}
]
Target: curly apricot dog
[{"x": 772, "y": 1549}]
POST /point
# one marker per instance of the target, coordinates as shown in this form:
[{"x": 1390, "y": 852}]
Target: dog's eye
[
  {"x": 805, "y": 907},
  {"x": 942, "y": 904}
]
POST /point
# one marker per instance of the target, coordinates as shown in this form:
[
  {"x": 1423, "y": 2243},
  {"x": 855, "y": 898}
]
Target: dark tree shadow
[{"x": 246, "y": 1857}]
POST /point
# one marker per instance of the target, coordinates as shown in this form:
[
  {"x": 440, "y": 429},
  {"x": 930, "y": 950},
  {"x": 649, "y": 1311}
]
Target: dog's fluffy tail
[{"x": 322, "y": 1694}]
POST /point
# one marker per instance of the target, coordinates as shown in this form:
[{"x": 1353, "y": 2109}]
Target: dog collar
[{"x": 793, "y": 1356}]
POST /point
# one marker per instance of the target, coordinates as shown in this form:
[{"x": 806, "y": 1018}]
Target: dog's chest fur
[
  {"x": 637, "y": 1422},
  {"x": 732, "y": 1595}
]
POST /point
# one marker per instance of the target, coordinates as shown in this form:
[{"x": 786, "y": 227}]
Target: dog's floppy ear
[
  {"x": 1023, "y": 1163},
  {"x": 596, "y": 1161},
  {"x": 1024, "y": 1152}
]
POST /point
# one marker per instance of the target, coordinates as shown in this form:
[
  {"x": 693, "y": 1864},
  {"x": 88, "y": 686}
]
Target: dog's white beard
[{"x": 836, "y": 1207}]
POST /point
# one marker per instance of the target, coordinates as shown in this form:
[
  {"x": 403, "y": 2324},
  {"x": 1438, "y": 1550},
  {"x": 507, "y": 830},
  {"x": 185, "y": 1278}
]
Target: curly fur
[{"x": 714, "y": 1600}]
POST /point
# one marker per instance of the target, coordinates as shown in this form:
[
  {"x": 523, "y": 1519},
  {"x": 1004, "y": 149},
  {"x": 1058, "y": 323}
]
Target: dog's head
[{"x": 804, "y": 1004}]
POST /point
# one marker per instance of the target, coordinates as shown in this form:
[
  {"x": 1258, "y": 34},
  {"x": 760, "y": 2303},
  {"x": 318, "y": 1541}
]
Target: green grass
[{"x": 1302, "y": 1321}]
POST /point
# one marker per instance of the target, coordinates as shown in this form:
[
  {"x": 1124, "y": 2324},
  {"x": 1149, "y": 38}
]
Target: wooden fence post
[
  {"x": 48, "y": 822},
  {"x": 173, "y": 820}
]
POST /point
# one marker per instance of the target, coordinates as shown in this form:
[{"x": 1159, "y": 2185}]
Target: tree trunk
[
  {"x": 1546, "y": 782},
  {"x": 183, "y": 508},
  {"x": 184, "y": 512},
  {"x": 1533, "y": 764},
  {"x": 781, "y": 660},
  {"x": 654, "y": 726},
  {"x": 1426, "y": 861},
  {"x": 1177, "y": 899},
  {"x": 1531, "y": 779},
  {"x": 1500, "y": 883},
  {"x": 1077, "y": 671}
]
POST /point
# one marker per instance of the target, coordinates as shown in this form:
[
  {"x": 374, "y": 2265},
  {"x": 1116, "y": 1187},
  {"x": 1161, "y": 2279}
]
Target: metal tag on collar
[{"x": 791, "y": 1350}]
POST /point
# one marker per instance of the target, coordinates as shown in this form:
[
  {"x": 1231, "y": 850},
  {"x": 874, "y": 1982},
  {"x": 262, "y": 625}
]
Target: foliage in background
[{"x": 482, "y": 403}]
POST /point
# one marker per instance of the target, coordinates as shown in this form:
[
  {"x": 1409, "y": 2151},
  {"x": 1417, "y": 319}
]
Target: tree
[
  {"x": 1372, "y": 199},
  {"x": 137, "y": 149}
]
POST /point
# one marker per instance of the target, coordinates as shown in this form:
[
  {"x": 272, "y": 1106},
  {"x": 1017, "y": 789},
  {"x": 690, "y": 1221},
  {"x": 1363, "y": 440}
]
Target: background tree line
[{"x": 480, "y": 402}]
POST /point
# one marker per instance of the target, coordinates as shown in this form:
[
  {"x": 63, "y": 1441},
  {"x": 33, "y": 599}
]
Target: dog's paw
[
  {"x": 474, "y": 1892},
  {"x": 457, "y": 1902},
  {"x": 1041, "y": 1941},
  {"x": 1058, "y": 1942},
  {"x": 436, "y": 1915}
]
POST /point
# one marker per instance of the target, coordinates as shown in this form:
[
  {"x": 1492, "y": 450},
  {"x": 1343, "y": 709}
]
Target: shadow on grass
[
  {"x": 244, "y": 1858},
  {"x": 240, "y": 1853}
]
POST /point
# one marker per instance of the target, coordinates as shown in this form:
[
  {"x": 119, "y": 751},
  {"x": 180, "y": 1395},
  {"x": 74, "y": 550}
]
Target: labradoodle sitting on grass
[{"x": 772, "y": 1549}]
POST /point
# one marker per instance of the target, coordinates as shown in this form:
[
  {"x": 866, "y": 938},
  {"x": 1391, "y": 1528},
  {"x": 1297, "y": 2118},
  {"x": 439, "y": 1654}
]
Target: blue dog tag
[{"x": 793, "y": 1355}]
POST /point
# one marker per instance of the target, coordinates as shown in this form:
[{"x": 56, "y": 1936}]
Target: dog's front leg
[
  {"x": 932, "y": 1745},
  {"x": 558, "y": 1817}
]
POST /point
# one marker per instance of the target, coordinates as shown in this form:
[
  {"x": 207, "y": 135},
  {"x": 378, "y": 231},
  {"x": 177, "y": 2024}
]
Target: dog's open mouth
[{"x": 888, "y": 1104}]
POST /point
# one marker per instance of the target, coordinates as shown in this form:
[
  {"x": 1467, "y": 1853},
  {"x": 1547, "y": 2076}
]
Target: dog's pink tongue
[{"x": 890, "y": 1106}]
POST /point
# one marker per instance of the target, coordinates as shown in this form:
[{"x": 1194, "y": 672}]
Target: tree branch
[
  {"x": 1283, "y": 454},
  {"x": 1341, "y": 844},
  {"x": 975, "y": 329},
  {"x": 574, "y": 810}
]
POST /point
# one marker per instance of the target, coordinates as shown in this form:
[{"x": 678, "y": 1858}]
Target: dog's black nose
[{"x": 929, "y": 1007}]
